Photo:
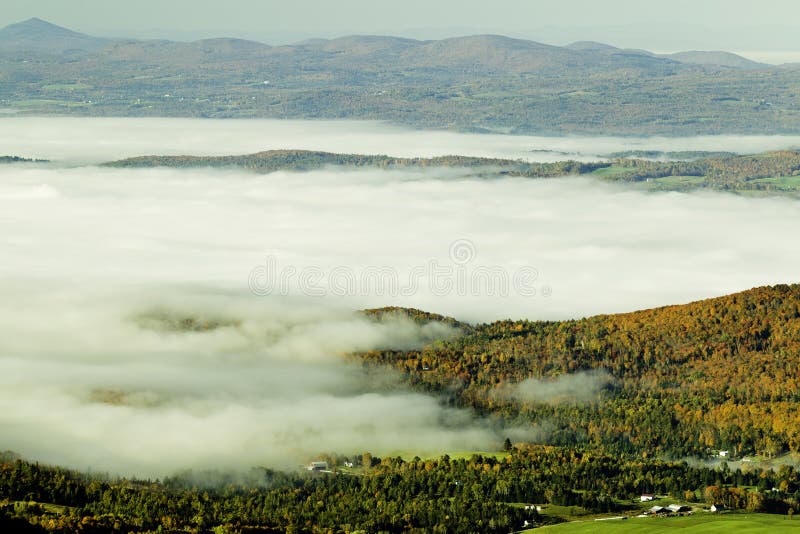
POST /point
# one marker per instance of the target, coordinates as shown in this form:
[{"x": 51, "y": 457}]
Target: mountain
[
  {"x": 499, "y": 54},
  {"x": 229, "y": 46},
  {"x": 495, "y": 51},
  {"x": 364, "y": 44},
  {"x": 180, "y": 55},
  {"x": 477, "y": 83},
  {"x": 717, "y": 58},
  {"x": 37, "y": 35},
  {"x": 476, "y": 53}
]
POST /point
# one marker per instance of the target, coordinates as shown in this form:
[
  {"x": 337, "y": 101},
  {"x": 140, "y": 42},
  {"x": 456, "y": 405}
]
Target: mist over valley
[
  {"x": 111, "y": 274},
  {"x": 539, "y": 272}
]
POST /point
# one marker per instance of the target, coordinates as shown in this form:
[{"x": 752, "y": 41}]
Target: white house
[{"x": 647, "y": 497}]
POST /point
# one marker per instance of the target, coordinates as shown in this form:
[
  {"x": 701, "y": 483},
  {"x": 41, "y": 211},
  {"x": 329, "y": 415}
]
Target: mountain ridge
[
  {"x": 477, "y": 83},
  {"x": 717, "y": 57},
  {"x": 39, "y": 35}
]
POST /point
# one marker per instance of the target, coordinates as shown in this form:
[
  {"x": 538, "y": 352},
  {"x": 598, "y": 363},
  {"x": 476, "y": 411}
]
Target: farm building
[
  {"x": 678, "y": 508},
  {"x": 317, "y": 466}
]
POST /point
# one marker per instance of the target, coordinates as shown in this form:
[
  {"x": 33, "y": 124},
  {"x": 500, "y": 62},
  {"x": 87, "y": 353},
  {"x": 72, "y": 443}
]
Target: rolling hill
[
  {"x": 41, "y": 36},
  {"x": 718, "y": 58},
  {"x": 766, "y": 173},
  {"x": 719, "y": 374}
]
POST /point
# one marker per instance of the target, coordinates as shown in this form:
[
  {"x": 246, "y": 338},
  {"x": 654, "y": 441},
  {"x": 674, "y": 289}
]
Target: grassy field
[
  {"x": 786, "y": 183},
  {"x": 609, "y": 171},
  {"x": 699, "y": 522},
  {"x": 66, "y": 87},
  {"x": 667, "y": 182},
  {"x": 55, "y": 509}
]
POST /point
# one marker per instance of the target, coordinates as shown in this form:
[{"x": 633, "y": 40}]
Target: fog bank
[
  {"x": 119, "y": 382},
  {"x": 93, "y": 140},
  {"x": 581, "y": 247},
  {"x": 155, "y": 320}
]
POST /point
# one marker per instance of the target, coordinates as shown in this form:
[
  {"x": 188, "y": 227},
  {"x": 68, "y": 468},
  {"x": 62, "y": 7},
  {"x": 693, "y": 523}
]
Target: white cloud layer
[
  {"x": 599, "y": 248},
  {"x": 92, "y": 255},
  {"x": 87, "y": 382},
  {"x": 81, "y": 140}
]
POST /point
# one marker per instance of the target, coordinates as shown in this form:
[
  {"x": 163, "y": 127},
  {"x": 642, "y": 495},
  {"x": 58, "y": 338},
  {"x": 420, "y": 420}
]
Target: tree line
[{"x": 482, "y": 493}]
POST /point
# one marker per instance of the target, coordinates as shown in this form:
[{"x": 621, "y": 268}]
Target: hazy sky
[{"x": 678, "y": 24}]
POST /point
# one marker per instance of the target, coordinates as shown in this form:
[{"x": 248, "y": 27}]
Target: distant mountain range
[
  {"x": 480, "y": 82},
  {"x": 488, "y": 51}
]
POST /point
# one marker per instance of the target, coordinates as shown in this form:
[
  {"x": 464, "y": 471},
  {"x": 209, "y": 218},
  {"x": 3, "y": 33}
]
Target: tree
[{"x": 366, "y": 460}]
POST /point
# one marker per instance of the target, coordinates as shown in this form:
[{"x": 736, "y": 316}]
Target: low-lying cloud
[
  {"x": 593, "y": 247},
  {"x": 580, "y": 387},
  {"x": 130, "y": 340},
  {"x": 210, "y": 380},
  {"x": 81, "y": 140}
]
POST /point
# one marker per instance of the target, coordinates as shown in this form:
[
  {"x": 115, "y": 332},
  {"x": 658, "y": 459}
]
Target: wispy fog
[
  {"x": 118, "y": 382},
  {"x": 131, "y": 339},
  {"x": 580, "y": 387},
  {"x": 81, "y": 140}
]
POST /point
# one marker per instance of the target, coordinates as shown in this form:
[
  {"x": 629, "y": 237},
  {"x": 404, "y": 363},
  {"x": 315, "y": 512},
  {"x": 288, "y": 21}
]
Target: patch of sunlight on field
[{"x": 700, "y": 523}]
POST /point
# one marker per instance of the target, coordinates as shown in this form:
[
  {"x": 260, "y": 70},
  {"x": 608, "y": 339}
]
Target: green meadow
[{"x": 698, "y": 523}]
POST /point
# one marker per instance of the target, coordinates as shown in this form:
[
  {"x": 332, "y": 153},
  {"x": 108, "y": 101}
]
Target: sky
[{"x": 740, "y": 25}]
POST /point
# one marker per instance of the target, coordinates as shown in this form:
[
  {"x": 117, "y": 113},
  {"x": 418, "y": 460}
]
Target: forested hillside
[
  {"x": 770, "y": 172},
  {"x": 615, "y": 396},
  {"x": 682, "y": 380},
  {"x": 304, "y": 160}
]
